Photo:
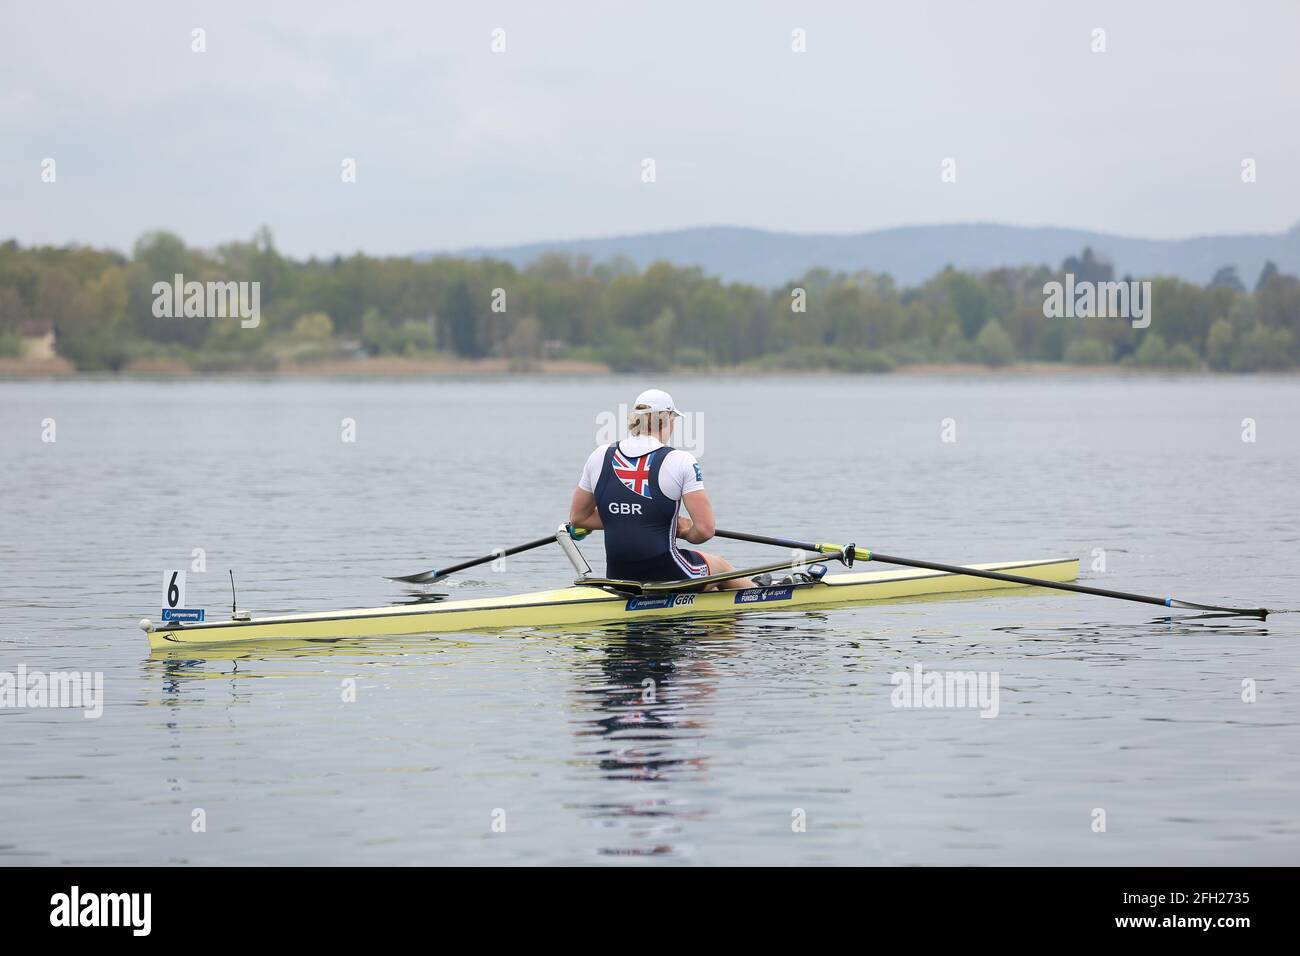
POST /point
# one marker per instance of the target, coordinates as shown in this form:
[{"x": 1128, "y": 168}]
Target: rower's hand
[
  {"x": 577, "y": 534},
  {"x": 684, "y": 525}
]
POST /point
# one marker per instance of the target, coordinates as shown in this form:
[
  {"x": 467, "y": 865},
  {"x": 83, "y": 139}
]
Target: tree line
[{"x": 102, "y": 305}]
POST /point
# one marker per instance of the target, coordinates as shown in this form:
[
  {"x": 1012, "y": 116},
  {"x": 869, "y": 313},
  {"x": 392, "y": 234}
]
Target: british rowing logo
[{"x": 634, "y": 473}]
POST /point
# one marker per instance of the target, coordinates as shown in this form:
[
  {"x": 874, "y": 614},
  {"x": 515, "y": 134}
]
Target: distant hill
[{"x": 912, "y": 254}]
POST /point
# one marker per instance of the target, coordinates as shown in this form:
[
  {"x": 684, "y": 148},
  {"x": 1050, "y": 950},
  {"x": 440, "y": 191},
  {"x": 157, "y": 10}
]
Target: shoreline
[{"x": 393, "y": 367}]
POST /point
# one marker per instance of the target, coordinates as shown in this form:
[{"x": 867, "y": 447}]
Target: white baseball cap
[{"x": 656, "y": 400}]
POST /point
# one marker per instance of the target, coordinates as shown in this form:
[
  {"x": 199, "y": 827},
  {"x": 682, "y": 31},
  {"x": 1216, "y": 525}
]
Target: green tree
[
  {"x": 1226, "y": 278},
  {"x": 414, "y": 337},
  {"x": 377, "y": 336},
  {"x": 993, "y": 345},
  {"x": 1263, "y": 349},
  {"x": 524, "y": 344},
  {"x": 1219, "y": 345},
  {"x": 660, "y": 334},
  {"x": 164, "y": 255},
  {"x": 1087, "y": 352},
  {"x": 1089, "y": 267},
  {"x": 1265, "y": 274},
  {"x": 1277, "y": 305},
  {"x": 1153, "y": 352},
  {"x": 970, "y": 300},
  {"x": 313, "y": 327},
  {"x": 953, "y": 346},
  {"x": 13, "y": 311},
  {"x": 461, "y": 319}
]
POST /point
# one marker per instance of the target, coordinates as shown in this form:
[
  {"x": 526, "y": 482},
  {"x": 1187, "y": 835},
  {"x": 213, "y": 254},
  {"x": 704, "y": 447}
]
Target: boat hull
[{"x": 586, "y": 605}]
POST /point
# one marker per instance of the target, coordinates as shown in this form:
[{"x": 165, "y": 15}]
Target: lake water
[{"x": 768, "y": 739}]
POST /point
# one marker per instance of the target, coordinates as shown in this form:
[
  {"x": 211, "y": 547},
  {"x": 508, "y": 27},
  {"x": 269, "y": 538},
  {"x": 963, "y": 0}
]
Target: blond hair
[{"x": 642, "y": 421}]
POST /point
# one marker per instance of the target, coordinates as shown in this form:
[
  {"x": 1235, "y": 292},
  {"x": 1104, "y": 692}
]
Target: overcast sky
[{"x": 458, "y": 146}]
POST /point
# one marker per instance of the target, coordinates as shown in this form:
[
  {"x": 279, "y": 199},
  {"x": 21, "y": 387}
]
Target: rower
[{"x": 634, "y": 490}]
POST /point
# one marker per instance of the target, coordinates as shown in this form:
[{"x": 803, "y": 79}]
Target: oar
[
  {"x": 864, "y": 554},
  {"x": 437, "y": 574}
]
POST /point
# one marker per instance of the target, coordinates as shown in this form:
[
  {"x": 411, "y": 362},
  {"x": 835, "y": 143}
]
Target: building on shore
[{"x": 40, "y": 341}]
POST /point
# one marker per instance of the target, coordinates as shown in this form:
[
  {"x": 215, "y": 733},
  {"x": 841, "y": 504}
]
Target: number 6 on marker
[{"x": 173, "y": 589}]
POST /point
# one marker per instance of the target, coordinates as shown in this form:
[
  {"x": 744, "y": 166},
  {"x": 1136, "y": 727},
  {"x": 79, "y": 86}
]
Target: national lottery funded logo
[{"x": 763, "y": 595}]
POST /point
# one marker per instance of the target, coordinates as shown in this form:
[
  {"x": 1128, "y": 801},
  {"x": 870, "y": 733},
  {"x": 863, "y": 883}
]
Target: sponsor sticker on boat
[
  {"x": 186, "y": 615},
  {"x": 763, "y": 595},
  {"x": 660, "y": 603}
]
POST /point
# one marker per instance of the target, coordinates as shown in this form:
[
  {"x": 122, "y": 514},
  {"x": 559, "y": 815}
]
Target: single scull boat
[{"x": 587, "y": 604}]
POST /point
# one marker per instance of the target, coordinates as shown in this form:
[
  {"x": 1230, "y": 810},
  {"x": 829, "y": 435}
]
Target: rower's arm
[
  {"x": 583, "y": 512},
  {"x": 701, "y": 511}
]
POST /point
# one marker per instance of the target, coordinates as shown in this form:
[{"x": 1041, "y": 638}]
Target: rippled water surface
[{"x": 768, "y": 739}]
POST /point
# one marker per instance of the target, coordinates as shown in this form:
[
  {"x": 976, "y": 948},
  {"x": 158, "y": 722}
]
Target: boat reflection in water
[{"x": 643, "y": 724}]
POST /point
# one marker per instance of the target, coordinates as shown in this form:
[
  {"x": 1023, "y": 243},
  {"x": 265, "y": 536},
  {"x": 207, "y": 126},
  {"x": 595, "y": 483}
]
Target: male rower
[{"x": 634, "y": 489}]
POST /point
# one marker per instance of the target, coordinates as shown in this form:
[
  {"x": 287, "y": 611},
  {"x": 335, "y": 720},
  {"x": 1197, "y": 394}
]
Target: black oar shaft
[
  {"x": 865, "y": 554},
  {"x": 517, "y": 549},
  {"x": 1016, "y": 578},
  {"x": 437, "y": 574},
  {"x": 1059, "y": 585}
]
